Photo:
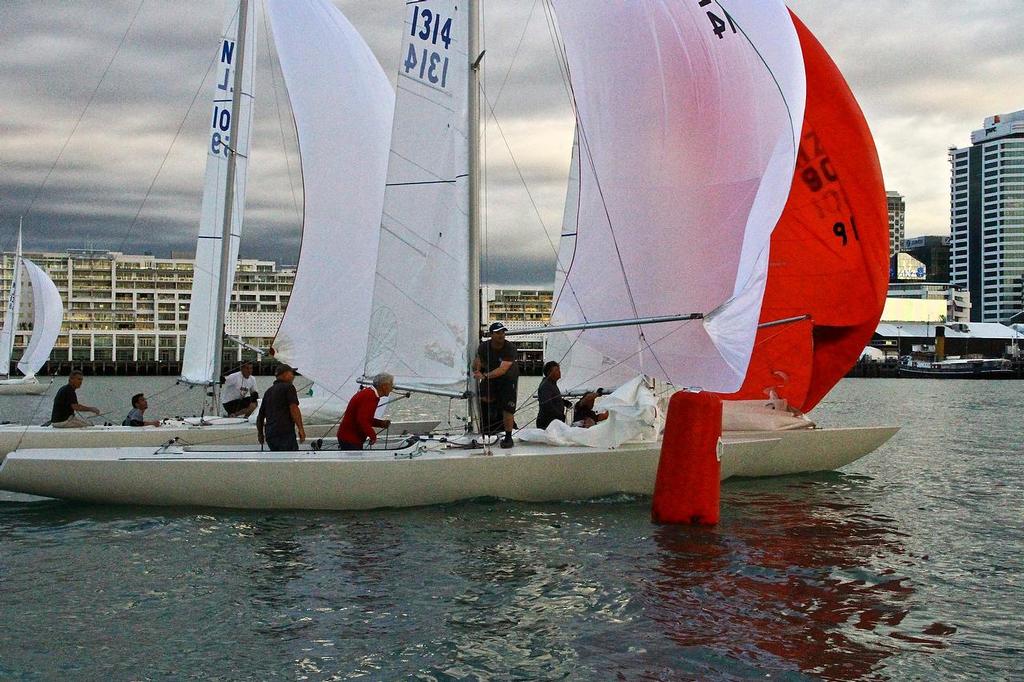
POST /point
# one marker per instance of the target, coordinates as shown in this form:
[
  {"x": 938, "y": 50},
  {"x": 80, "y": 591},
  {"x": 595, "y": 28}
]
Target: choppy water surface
[{"x": 906, "y": 566}]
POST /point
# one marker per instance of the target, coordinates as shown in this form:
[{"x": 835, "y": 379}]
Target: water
[{"x": 905, "y": 566}]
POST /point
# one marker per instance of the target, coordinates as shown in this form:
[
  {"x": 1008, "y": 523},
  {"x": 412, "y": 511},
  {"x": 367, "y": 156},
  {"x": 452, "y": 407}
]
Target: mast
[
  {"x": 10, "y": 322},
  {"x": 223, "y": 285},
  {"x": 473, "y": 102}
]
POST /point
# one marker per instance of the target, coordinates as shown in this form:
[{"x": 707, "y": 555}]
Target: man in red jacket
[{"x": 358, "y": 423}]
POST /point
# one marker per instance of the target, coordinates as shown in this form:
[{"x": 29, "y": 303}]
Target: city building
[
  {"x": 987, "y": 218},
  {"x": 933, "y": 251},
  {"x": 519, "y": 309},
  {"x": 134, "y": 309},
  {"x": 955, "y": 303},
  {"x": 906, "y": 268},
  {"x": 897, "y": 221}
]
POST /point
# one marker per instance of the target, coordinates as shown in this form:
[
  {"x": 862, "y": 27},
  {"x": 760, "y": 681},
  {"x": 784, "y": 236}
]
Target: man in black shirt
[
  {"x": 584, "y": 414},
  {"x": 549, "y": 397},
  {"x": 65, "y": 404},
  {"x": 279, "y": 414},
  {"x": 496, "y": 369}
]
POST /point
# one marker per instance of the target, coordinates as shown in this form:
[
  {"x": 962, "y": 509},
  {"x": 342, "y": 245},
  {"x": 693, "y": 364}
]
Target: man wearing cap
[
  {"x": 279, "y": 415},
  {"x": 496, "y": 369},
  {"x": 358, "y": 424}
]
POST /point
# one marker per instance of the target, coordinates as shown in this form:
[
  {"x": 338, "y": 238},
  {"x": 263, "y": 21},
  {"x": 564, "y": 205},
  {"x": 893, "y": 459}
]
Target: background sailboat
[{"x": 47, "y": 316}]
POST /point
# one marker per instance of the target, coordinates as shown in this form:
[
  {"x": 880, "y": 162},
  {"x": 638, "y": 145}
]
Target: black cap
[
  {"x": 498, "y": 327},
  {"x": 282, "y": 368}
]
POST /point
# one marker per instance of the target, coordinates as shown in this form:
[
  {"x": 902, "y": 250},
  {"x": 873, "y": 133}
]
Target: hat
[
  {"x": 498, "y": 327},
  {"x": 282, "y": 368}
]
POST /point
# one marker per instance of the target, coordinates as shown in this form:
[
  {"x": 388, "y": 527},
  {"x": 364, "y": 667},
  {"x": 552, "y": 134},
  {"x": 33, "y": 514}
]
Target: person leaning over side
[
  {"x": 357, "y": 425},
  {"x": 279, "y": 414},
  {"x": 65, "y": 404},
  {"x": 136, "y": 417},
  {"x": 496, "y": 369},
  {"x": 584, "y": 415},
  {"x": 239, "y": 395},
  {"x": 552, "y": 405}
]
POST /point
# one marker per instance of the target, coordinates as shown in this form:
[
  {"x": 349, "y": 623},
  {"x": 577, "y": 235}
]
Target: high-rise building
[
  {"x": 127, "y": 308},
  {"x": 897, "y": 221},
  {"x": 933, "y": 251},
  {"x": 987, "y": 218}
]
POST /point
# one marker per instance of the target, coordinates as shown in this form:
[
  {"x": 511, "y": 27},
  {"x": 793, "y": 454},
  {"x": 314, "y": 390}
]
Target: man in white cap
[{"x": 496, "y": 367}]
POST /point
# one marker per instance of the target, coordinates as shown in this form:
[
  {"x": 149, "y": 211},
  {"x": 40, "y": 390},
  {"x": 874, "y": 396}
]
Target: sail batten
[
  {"x": 343, "y": 106},
  {"x": 685, "y": 157}
]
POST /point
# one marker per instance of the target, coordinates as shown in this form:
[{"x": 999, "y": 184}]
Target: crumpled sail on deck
[
  {"x": 12, "y": 310},
  {"x": 201, "y": 335},
  {"x": 343, "y": 105},
  {"x": 829, "y": 252},
  {"x": 47, "y": 316},
  {"x": 689, "y": 120},
  {"x": 420, "y": 300}
]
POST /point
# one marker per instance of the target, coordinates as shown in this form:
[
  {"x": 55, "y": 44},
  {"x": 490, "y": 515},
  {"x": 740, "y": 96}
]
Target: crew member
[
  {"x": 279, "y": 416},
  {"x": 65, "y": 404},
  {"x": 136, "y": 417},
  {"x": 496, "y": 369},
  {"x": 584, "y": 414},
  {"x": 359, "y": 422},
  {"x": 239, "y": 395},
  {"x": 549, "y": 396}
]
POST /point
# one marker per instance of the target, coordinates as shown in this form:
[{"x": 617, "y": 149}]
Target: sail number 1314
[{"x": 430, "y": 37}]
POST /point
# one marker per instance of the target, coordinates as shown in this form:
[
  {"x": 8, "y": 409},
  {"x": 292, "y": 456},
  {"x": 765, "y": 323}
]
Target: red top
[{"x": 358, "y": 422}]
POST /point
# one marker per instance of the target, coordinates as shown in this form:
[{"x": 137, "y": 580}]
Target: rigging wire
[{"x": 81, "y": 116}]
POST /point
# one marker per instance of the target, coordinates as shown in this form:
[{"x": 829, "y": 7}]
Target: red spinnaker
[{"x": 829, "y": 256}]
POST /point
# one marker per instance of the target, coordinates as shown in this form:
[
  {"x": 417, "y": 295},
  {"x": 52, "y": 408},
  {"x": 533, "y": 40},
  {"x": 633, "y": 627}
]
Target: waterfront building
[
  {"x": 519, "y": 308},
  {"x": 134, "y": 308},
  {"x": 897, "y": 221},
  {"x": 957, "y": 302},
  {"x": 933, "y": 251},
  {"x": 987, "y": 218},
  {"x": 906, "y": 268}
]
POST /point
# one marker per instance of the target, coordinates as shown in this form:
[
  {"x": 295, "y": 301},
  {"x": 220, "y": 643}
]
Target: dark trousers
[
  {"x": 342, "y": 445},
  {"x": 282, "y": 442}
]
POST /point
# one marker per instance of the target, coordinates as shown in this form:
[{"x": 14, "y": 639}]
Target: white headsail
[
  {"x": 418, "y": 331},
  {"x": 12, "y": 309},
  {"x": 688, "y": 116},
  {"x": 201, "y": 337},
  {"x": 47, "y": 316},
  {"x": 343, "y": 105}
]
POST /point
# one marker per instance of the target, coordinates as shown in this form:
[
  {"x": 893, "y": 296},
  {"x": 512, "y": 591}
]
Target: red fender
[{"x": 687, "y": 489}]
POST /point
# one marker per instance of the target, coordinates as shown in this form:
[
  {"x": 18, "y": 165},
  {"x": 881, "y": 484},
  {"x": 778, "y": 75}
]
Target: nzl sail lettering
[
  {"x": 220, "y": 125},
  {"x": 430, "y": 36},
  {"x": 817, "y": 172}
]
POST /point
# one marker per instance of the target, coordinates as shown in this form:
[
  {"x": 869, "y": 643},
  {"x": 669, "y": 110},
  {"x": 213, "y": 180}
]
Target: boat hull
[
  {"x": 225, "y": 477},
  {"x": 228, "y": 432},
  {"x": 969, "y": 373},
  {"x": 25, "y": 386}
]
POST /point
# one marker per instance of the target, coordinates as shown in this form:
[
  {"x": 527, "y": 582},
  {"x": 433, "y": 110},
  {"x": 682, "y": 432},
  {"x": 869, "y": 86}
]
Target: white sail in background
[
  {"x": 201, "y": 337},
  {"x": 47, "y": 316},
  {"x": 418, "y": 330},
  {"x": 688, "y": 120},
  {"x": 343, "y": 105},
  {"x": 11, "y": 311}
]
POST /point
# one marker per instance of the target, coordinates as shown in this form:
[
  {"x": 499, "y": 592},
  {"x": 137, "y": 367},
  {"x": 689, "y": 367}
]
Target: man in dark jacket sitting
[{"x": 552, "y": 404}]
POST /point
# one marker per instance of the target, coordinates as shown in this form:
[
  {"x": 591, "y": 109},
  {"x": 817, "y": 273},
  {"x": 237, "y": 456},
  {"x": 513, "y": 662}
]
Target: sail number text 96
[{"x": 430, "y": 36}]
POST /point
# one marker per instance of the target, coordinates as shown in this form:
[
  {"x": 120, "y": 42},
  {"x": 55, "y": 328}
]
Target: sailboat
[
  {"x": 688, "y": 134},
  {"x": 47, "y": 315},
  {"x": 360, "y": 103}
]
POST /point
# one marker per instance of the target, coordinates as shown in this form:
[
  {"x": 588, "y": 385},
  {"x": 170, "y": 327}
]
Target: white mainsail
[
  {"x": 11, "y": 312},
  {"x": 343, "y": 106},
  {"x": 418, "y": 330},
  {"x": 201, "y": 338},
  {"x": 47, "y": 316},
  {"x": 688, "y": 116}
]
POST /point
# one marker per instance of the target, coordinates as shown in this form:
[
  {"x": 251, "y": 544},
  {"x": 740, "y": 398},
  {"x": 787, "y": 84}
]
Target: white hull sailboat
[
  {"x": 47, "y": 315},
  {"x": 662, "y": 222},
  {"x": 422, "y": 473}
]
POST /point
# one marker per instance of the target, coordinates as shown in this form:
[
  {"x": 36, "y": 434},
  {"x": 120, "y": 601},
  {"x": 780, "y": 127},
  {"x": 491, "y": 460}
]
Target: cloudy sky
[{"x": 926, "y": 72}]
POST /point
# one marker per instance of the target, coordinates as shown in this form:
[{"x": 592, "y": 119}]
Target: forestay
[
  {"x": 198, "y": 360},
  {"x": 47, "y": 316},
  {"x": 343, "y": 104},
  {"x": 688, "y": 116},
  {"x": 418, "y": 331}
]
